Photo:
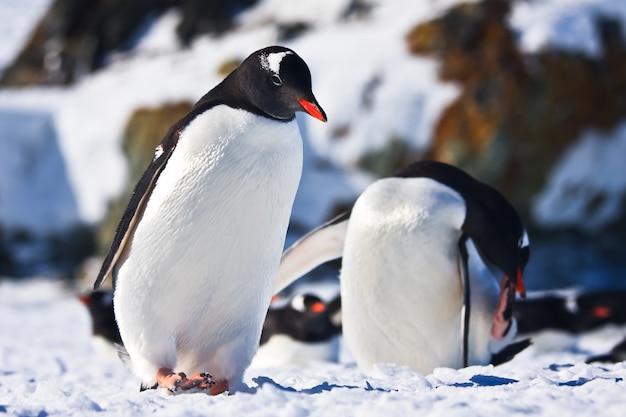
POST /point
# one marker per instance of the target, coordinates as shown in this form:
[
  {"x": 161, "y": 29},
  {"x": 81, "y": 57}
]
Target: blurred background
[{"x": 528, "y": 96}]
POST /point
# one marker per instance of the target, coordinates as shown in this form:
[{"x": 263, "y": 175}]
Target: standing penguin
[
  {"x": 195, "y": 255},
  {"x": 411, "y": 269}
]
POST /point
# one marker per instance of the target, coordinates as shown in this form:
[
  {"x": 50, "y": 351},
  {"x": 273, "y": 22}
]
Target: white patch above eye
[
  {"x": 271, "y": 62},
  {"x": 523, "y": 241},
  {"x": 158, "y": 152},
  {"x": 297, "y": 303}
]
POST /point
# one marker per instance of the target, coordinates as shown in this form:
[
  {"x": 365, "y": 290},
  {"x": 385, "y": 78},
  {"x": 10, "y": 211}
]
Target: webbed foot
[{"x": 179, "y": 382}]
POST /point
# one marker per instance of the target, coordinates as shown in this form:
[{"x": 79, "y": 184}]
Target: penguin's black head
[
  {"x": 100, "y": 307},
  {"x": 496, "y": 229},
  {"x": 305, "y": 318},
  {"x": 276, "y": 82}
]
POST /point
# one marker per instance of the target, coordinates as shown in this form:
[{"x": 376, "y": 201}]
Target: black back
[
  {"x": 546, "y": 312},
  {"x": 589, "y": 311}
]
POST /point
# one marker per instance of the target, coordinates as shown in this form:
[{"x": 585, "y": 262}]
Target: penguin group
[
  {"x": 432, "y": 259},
  {"x": 418, "y": 250}
]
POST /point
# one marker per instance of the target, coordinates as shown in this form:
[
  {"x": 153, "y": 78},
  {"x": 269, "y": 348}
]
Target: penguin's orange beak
[
  {"x": 84, "y": 298},
  {"x": 519, "y": 283},
  {"x": 313, "y": 109},
  {"x": 318, "y": 307}
]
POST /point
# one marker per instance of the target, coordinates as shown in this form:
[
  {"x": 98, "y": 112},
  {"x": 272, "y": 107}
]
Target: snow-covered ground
[{"x": 50, "y": 366}]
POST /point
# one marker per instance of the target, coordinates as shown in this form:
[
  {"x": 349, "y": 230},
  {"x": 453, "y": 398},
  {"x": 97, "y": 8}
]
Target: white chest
[
  {"x": 400, "y": 283},
  {"x": 202, "y": 262},
  {"x": 224, "y": 196}
]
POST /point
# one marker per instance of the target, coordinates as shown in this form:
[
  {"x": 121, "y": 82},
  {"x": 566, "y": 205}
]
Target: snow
[
  {"x": 580, "y": 190},
  {"x": 32, "y": 168},
  {"x": 372, "y": 90},
  {"x": 50, "y": 366},
  {"x": 91, "y": 115},
  {"x": 18, "y": 17},
  {"x": 565, "y": 24}
]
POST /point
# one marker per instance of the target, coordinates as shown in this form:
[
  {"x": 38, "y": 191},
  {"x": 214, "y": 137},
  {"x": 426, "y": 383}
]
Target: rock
[
  {"x": 74, "y": 37},
  {"x": 517, "y": 114},
  {"x": 385, "y": 161}
]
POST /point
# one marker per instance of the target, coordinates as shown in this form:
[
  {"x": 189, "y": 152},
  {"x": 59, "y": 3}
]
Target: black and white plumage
[
  {"x": 409, "y": 246},
  {"x": 571, "y": 311},
  {"x": 195, "y": 255},
  {"x": 302, "y": 331}
]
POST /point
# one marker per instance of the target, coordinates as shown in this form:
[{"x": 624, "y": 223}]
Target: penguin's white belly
[
  {"x": 401, "y": 290},
  {"x": 197, "y": 280}
]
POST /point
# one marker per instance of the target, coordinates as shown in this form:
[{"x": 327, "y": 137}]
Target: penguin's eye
[{"x": 276, "y": 80}]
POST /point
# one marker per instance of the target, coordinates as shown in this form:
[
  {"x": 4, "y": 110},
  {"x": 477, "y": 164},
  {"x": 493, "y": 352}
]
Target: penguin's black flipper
[
  {"x": 134, "y": 209},
  {"x": 509, "y": 352}
]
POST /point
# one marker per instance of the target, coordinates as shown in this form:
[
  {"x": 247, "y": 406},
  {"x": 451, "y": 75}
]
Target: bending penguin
[
  {"x": 416, "y": 283},
  {"x": 195, "y": 255}
]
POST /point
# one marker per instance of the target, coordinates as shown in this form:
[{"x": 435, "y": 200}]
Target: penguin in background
[
  {"x": 303, "y": 330},
  {"x": 99, "y": 304},
  {"x": 195, "y": 255},
  {"x": 571, "y": 311},
  {"x": 418, "y": 250}
]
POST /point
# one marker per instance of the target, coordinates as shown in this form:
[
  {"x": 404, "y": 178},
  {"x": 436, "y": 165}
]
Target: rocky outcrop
[
  {"x": 75, "y": 36},
  {"x": 517, "y": 113}
]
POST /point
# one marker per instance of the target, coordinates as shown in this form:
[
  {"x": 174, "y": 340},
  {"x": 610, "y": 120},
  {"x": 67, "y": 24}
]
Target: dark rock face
[
  {"x": 144, "y": 131},
  {"x": 212, "y": 16},
  {"x": 75, "y": 36},
  {"x": 517, "y": 113}
]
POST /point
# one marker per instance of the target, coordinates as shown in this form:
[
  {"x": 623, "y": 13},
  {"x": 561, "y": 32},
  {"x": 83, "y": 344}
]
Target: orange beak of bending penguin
[
  {"x": 504, "y": 310},
  {"x": 313, "y": 109}
]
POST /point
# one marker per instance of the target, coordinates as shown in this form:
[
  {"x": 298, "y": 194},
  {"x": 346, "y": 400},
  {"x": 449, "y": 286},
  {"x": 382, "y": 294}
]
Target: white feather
[{"x": 198, "y": 277}]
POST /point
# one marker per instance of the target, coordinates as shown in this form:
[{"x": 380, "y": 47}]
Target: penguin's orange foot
[
  {"x": 177, "y": 382},
  {"x": 218, "y": 387}
]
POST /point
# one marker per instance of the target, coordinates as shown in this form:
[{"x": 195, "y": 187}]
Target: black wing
[
  {"x": 136, "y": 205},
  {"x": 467, "y": 303}
]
